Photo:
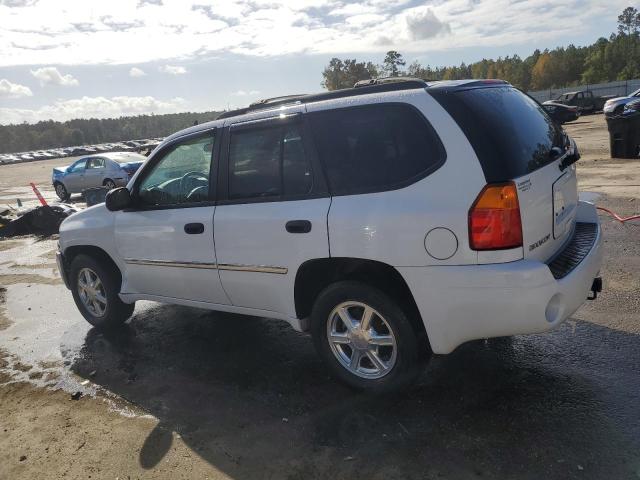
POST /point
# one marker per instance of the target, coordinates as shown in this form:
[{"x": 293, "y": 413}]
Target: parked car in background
[
  {"x": 583, "y": 99},
  {"x": 359, "y": 215},
  {"x": 75, "y": 151},
  {"x": 615, "y": 106},
  {"x": 561, "y": 113},
  {"x": 110, "y": 170}
]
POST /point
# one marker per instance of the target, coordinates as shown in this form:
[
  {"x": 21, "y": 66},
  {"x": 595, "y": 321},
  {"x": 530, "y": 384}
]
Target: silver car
[
  {"x": 615, "y": 106},
  {"x": 108, "y": 170}
]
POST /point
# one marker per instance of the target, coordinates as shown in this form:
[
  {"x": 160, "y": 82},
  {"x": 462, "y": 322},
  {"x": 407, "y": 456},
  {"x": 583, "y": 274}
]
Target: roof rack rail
[
  {"x": 397, "y": 83},
  {"x": 384, "y": 80}
]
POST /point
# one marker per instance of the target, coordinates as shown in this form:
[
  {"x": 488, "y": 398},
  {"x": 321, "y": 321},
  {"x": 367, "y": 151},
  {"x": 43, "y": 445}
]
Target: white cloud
[
  {"x": 91, "y": 107},
  {"x": 245, "y": 93},
  {"x": 68, "y": 32},
  {"x": 51, "y": 76},
  {"x": 173, "y": 70},
  {"x": 13, "y": 90},
  {"x": 424, "y": 24},
  {"x": 136, "y": 72}
]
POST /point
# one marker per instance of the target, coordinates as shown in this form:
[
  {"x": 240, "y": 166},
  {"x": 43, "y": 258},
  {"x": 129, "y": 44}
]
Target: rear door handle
[
  {"x": 193, "y": 228},
  {"x": 298, "y": 226}
]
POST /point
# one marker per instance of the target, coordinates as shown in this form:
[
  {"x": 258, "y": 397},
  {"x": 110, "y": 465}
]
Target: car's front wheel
[
  {"x": 365, "y": 338},
  {"x": 109, "y": 184},
  {"x": 95, "y": 287},
  {"x": 61, "y": 191}
]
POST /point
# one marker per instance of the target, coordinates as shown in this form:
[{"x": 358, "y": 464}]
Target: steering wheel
[{"x": 192, "y": 177}]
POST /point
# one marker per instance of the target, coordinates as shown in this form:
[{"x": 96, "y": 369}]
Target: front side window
[
  {"x": 375, "y": 147},
  {"x": 79, "y": 166},
  {"x": 181, "y": 175},
  {"x": 268, "y": 162}
]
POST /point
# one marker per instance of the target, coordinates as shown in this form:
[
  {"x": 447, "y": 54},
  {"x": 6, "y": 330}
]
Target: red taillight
[{"x": 494, "y": 218}]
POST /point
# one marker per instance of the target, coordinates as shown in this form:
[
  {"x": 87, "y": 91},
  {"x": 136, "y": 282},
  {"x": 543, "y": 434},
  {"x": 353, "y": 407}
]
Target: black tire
[
  {"x": 412, "y": 351},
  {"x": 61, "y": 191},
  {"x": 116, "y": 312},
  {"x": 110, "y": 184}
]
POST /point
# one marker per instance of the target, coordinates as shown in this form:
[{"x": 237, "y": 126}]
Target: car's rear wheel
[
  {"x": 61, "y": 191},
  {"x": 109, "y": 184},
  {"x": 365, "y": 338},
  {"x": 95, "y": 287}
]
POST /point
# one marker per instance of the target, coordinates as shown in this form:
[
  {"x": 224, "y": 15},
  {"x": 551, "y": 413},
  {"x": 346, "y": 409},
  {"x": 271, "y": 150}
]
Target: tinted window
[
  {"x": 375, "y": 147},
  {"x": 511, "y": 133},
  {"x": 268, "y": 161},
  {"x": 296, "y": 170},
  {"x": 181, "y": 175}
]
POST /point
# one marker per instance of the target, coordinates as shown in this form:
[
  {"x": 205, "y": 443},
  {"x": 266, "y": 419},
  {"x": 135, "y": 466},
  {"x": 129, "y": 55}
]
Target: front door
[
  {"x": 74, "y": 178},
  {"x": 166, "y": 240},
  {"x": 274, "y": 213}
]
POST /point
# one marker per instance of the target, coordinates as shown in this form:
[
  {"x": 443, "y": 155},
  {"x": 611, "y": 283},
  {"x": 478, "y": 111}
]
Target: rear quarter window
[
  {"x": 375, "y": 147},
  {"x": 510, "y": 132}
]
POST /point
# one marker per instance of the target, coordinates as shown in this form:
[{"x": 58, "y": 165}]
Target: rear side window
[
  {"x": 268, "y": 162},
  {"x": 375, "y": 147},
  {"x": 511, "y": 133}
]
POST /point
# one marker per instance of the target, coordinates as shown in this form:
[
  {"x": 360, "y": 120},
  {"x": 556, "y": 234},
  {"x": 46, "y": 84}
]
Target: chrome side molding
[{"x": 235, "y": 267}]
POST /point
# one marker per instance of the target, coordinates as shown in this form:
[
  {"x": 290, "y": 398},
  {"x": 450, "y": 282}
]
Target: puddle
[{"x": 45, "y": 336}]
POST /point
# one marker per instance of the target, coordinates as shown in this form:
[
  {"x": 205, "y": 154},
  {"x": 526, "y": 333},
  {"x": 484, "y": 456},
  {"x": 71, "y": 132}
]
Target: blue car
[{"x": 108, "y": 170}]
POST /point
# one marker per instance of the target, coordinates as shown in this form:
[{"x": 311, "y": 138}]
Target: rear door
[
  {"x": 94, "y": 173},
  {"x": 515, "y": 140},
  {"x": 272, "y": 212}
]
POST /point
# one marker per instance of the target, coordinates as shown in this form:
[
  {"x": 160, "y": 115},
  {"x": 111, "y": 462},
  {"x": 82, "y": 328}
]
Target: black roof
[{"x": 363, "y": 87}]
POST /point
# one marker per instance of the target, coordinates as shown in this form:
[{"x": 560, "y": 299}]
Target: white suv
[{"x": 392, "y": 221}]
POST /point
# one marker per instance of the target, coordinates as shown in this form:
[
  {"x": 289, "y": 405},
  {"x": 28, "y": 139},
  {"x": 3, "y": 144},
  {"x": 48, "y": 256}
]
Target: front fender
[{"x": 93, "y": 227}]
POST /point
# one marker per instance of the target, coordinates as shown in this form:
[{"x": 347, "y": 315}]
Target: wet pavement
[
  {"x": 561, "y": 406},
  {"x": 250, "y": 397}
]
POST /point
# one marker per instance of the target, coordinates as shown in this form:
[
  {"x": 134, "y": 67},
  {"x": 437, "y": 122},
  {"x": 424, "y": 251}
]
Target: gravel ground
[{"x": 186, "y": 393}]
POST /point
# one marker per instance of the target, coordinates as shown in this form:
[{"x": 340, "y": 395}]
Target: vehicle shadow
[{"x": 251, "y": 397}]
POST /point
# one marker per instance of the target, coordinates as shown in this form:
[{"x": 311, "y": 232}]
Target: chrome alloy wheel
[
  {"x": 361, "y": 340},
  {"x": 91, "y": 292},
  {"x": 60, "y": 190}
]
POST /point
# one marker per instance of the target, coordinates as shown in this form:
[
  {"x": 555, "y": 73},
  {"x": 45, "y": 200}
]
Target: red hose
[{"x": 617, "y": 217}]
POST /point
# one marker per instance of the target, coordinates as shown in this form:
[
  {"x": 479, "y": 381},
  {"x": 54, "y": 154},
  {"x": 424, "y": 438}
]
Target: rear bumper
[{"x": 462, "y": 303}]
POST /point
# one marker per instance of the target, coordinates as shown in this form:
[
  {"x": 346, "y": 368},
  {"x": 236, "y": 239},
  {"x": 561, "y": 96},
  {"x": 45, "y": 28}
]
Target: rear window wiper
[{"x": 572, "y": 157}]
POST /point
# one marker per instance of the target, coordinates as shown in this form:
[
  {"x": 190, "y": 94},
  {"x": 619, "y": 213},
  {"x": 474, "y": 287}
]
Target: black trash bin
[
  {"x": 624, "y": 134},
  {"x": 95, "y": 195}
]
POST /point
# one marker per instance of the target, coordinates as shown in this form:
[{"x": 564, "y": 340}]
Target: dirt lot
[{"x": 185, "y": 393}]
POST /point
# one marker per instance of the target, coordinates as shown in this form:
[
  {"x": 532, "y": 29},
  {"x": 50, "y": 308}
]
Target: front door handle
[
  {"x": 298, "y": 226},
  {"x": 193, "y": 228}
]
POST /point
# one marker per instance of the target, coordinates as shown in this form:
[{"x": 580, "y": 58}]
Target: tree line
[
  {"x": 606, "y": 60},
  {"x": 52, "y": 134}
]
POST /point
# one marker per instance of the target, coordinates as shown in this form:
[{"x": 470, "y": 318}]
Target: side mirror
[{"x": 118, "y": 199}]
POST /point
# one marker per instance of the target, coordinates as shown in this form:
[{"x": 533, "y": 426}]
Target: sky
[{"x": 64, "y": 59}]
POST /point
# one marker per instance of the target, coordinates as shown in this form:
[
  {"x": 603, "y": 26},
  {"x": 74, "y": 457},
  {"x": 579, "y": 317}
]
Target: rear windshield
[{"x": 510, "y": 132}]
